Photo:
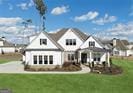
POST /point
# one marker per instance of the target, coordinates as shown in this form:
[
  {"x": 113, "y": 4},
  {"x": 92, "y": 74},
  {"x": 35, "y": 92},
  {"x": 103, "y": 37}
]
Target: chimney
[
  {"x": 114, "y": 42},
  {"x": 3, "y": 38}
]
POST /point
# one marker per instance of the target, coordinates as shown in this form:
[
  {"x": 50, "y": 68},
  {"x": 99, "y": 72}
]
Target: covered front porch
[{"x": 93, "y": 55}]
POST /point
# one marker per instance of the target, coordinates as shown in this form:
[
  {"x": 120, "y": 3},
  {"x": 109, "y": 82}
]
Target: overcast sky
[{"x": 103, "y": 18}]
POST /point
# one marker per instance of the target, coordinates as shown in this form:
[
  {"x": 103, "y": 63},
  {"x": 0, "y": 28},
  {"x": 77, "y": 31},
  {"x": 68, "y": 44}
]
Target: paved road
[{"x": 17, "y": 67}]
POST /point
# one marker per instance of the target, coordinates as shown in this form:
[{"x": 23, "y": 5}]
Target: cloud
[
  {"x": 23, "y": 6},
  {"x": 120, "y": 30},
  {"x": 104, "y": 20},
  {"x": 89, "y": 16},
  {"x": 12, "y": 29},
  {"x": 60, "y": 10},
  {"x": 26, "y": 5},
  {"x": 10, "y": 21}
]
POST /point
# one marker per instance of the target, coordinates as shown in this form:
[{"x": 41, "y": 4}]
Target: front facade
[{"x": 66, "y": 45}]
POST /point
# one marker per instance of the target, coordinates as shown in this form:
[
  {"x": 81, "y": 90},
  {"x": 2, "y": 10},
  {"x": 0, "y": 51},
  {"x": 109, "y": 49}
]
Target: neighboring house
[
  {"x": 119, "y": 47},
  {"x": 66, "y": 45},
  {"x": 6, "y": 47}
]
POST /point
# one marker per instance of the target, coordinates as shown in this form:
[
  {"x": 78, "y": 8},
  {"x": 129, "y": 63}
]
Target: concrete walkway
[{"x": 18, "y": 68}]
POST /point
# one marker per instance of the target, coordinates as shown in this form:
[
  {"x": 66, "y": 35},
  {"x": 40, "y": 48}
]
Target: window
[
  {"x": 35, "y": 59},
  {"x": 43, "y": 41},
  {"x": 45, "y": 59},
  {"x": 74, "y": 41},
  {"x": 97, "y": 57},
  {"x": 71, "y": 57},
  {"x": 40, "y": 59},
  {"x": 50, "y": 59},
  {"x": 70, "y": 41},
  {"x": 67, "y": 41},
  {"x": 91, "y": 44}
]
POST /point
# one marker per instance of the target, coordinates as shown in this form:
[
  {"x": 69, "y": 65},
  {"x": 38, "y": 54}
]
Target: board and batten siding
[
  {"x": 35, "y": 44},
  {"x": 70, "y": 35},
  {"x": 57, "y": 57},
  {"x": 86, "y": 43}
]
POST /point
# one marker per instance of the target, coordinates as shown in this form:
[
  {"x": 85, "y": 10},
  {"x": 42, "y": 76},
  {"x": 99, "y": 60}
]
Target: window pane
[
  {"x": 35, "y": 59},
  {"x": 67, "y": 43},
  {"x": 69, "y": 57},
  {"x": 45, "y": 59},
  {"x": 43, "y": 41},
  {"x": 40, "y": 59},
  {"x": 74, "y": 41},
  {"x": 71, "y": 42},
  {"x": 72, "y": 57},
  {"x": 50, "y": 59}
]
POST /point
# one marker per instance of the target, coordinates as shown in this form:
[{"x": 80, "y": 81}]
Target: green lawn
[{"x": 80, "y": 83}]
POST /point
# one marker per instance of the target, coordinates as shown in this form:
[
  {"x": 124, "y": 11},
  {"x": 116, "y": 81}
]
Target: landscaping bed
[
  {"x": 113, "y": 70},
  {"x": 67, "y": 66}
]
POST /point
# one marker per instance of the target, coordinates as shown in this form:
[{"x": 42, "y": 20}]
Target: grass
[
  {"x": 79, "y": 83},
  {"x": 10, "y": 57}
]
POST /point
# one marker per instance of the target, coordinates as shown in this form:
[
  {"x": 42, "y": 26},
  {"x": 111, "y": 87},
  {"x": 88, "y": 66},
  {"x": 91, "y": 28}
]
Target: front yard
[
  {"x": 76, "y": 83},
  {"x": 10, "y": 57}
]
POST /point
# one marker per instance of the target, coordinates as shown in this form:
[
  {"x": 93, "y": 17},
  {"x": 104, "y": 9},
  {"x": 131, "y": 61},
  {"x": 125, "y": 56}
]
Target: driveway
[{"x": 18, "y": 67}]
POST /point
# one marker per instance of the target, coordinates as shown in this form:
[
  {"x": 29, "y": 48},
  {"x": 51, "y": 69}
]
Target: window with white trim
[
  {"x": 35, "y": 59},
  {"x": 91, "y": 44},
  {"x": 71, "y": 57},
  {"x": 45, "y": 59},
  {"x": 43, "y": 41},
  {"x": 70, "y": 41},
  {"x": 50, "y": 59},
  {"x": 40, "y": 59}
]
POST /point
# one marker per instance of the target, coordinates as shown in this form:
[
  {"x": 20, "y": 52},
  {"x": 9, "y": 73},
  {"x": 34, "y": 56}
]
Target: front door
[{"x": 84, "y": 58}]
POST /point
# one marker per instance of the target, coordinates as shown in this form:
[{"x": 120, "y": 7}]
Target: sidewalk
[{"x": 17, "y": 67}]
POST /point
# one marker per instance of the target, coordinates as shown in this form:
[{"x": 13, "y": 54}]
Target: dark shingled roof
[
  {"x": 120, "y": 45},
  {"x": 125, "y": 42},
  {"x": 96, "y": 49},
  {"x": 56, "y": 36}
]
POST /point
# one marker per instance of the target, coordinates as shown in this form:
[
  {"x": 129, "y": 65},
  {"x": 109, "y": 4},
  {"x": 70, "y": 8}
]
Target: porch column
[
  {"x": 90, "y": 54},
  {"x": 108, "y": 61}
]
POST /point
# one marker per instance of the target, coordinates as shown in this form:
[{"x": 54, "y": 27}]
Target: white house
[
  {"x": 66, "y": 45},
  {"x": 6, "y": 47}
]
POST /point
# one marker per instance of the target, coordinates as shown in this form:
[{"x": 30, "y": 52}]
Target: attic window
[
  {"x": 43, "y": 41},
  {"x": 70, "y": 41},
  {"x": 91, "y": 44}
]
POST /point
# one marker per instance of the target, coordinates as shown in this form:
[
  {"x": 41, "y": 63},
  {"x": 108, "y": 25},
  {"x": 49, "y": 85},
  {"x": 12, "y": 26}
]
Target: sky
[{"x": 102, "y": 18}]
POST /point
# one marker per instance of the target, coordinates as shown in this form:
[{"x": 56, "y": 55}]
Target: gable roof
[
  {"x": 49, "y": 37},
  {"x": 125, "y": 42},
  {"x": 56, "y": 36}
]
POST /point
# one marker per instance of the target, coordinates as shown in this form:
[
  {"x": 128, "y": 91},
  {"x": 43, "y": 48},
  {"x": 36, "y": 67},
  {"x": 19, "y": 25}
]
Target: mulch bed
[
  {"x": 113, "y": 70},
  {"x": 67, "y": 67}
]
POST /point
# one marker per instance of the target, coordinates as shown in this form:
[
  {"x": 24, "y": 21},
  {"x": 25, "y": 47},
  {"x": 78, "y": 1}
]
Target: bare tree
[
  {"x": 26, "y": 23},
  {"x": 41, "y": 7}
]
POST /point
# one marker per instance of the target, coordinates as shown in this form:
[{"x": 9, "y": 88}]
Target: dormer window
[
  {"x": 43, "y": 41},
  {"x": 70, "y": 41},
  {"x": 91, "y": 44}
]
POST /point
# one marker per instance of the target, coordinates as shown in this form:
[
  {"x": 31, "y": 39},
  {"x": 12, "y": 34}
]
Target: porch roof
[{"x": 96, "y": 49}]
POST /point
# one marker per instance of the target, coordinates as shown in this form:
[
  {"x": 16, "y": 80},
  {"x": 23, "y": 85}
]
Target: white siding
[
  {"x": 1, "y": 43},
  {"x": 7, "y": 49},
  {"x": 86, "y": 43},
  {"x": 129, "y": 52},
  {"x": 35, "y": 44},
  {"x": 70, "y": 35},
  {"x": 57, "y": 56},
  {"x": 32, "y": 38}
]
